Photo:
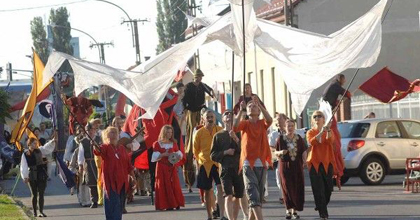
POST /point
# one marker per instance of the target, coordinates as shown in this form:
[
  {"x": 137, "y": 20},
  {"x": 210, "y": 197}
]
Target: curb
[
  {"x": 21, "y": 208},
  {"x": 26, "y": 214}
]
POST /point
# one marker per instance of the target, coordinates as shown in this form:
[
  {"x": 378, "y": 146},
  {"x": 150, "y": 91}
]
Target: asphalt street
[{"x": 354, "y": 201}]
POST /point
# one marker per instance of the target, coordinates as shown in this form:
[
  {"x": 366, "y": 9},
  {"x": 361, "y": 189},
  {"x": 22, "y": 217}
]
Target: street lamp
[{"x": 60, "y": 26}]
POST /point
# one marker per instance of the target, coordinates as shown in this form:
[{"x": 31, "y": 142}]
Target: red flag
[
  {"x": 119, "y": 108},
  {"x": 43, "y": 95},
  {"x": 385, "y": 84},
  {"x": 414, "y": 87}
]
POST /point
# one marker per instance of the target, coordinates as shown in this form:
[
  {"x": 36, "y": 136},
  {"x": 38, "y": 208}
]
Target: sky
[{"x": 99, "y": 19}]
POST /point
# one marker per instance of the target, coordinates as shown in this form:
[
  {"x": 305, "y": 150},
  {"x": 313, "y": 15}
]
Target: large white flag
[{"x": 305, "y": 60}]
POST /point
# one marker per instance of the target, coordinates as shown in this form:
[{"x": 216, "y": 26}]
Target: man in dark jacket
[
  {"x": 226, "y": 150},
  {"x": 331, "y": 93},
  {"x": 334, "y": 89},
  {"x": 193, "y": 101}
]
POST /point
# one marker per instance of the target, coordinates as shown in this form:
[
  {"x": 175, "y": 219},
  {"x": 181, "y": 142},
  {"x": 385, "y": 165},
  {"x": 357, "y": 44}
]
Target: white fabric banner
[
  {"x": 147, "y": 84},
  {"x": 306, "y": 60}
]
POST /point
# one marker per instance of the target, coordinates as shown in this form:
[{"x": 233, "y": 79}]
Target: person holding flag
[{"x": 33, "y": 169}]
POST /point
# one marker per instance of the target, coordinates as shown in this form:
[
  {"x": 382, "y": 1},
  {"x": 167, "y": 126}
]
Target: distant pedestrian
[
  {"x": 370, "y": 115},
  {"x": 87, "y": 166},
  {"x": 249, "y": 96},
  {"x": 273, "y": 136}
]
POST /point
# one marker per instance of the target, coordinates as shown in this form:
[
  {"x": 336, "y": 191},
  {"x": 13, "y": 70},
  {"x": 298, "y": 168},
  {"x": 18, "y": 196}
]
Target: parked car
[{"x": 373, "y": 148}]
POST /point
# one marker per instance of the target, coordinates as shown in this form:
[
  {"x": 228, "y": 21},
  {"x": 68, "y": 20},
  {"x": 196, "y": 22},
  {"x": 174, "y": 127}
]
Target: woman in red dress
[{"x": 167, "y": 186}]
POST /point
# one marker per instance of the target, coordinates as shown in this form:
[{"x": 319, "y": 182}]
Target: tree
[
  {"x": 39, "y": 38},
  {"x": 171, "y": 23},
  {"x": 61, "y": 32},
  {"x": 4, "y": 107}
]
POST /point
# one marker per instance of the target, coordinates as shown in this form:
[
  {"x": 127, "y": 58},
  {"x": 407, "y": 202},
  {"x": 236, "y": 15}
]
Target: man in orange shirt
[{"x": 255, "y": 153}]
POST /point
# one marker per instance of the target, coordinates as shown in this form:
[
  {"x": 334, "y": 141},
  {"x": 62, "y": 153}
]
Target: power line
[{"x": 44, "y": 6}]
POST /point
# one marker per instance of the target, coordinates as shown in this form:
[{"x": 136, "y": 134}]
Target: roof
[
  {"x": 376, "y": 120},
  {"x": 273, "y": 11}
]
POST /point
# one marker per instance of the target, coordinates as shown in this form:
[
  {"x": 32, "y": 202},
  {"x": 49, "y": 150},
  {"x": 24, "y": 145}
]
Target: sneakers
[
  {"x": 215, "y": 215},
  {"x": 94, "y": 205},
  {"x": 224, "y": 218},
  {"x": 296, "y": 216},
  {"x": 41, "y": 214},
  {"x": 288, "y": 215}
]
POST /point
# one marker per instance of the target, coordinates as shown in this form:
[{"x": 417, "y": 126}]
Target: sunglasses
[
  {"x": 318, "y": 116},
  {"x": 227, "y": 113}
]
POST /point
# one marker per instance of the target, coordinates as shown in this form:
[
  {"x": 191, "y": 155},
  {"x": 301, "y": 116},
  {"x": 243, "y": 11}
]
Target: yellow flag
[{"x": 28, "y": 110}]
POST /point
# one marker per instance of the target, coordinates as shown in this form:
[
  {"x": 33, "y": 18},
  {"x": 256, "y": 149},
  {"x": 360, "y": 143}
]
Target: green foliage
[
  {"x": 39, "y": 38},
  {"x": 171, "y": 23},
  {"x": 61, "y": 33},
  {"x": 4, "y": 106}
]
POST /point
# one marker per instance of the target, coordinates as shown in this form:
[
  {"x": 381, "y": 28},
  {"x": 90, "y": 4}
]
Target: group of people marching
[{"x": 234, "y": 158}]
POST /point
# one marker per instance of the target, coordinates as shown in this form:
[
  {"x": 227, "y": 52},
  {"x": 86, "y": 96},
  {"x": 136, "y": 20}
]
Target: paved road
[{"x": 354, "y": 201}]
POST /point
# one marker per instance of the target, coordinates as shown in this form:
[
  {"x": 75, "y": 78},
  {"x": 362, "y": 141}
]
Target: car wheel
[{"x": 373, "y": 172}]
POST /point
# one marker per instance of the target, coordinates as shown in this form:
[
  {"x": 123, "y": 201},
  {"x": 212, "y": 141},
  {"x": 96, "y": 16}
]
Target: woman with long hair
[
  {"x": 116, "y": 167},
  {"x": 168, "y": 189},
  {"x": 33, "y": 169},
  {"x": 321, "y": 162},
  {"x": 289, "y": 149}
]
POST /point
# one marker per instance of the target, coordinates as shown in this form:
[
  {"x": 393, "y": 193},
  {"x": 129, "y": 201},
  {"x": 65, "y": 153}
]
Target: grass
[{"x": 9, "y": 210}]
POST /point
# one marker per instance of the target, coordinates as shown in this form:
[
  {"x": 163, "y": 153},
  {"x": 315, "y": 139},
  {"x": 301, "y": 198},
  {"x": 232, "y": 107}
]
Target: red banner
[{"x": 388, "y": 87}]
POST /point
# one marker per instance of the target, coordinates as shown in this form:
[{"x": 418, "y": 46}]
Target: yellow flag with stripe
[{"x": 30, "y": 104}]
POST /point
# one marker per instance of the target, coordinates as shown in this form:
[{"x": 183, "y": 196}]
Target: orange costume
[
  {"x": 254, "y": 143},
  {"x": 320, "y": 152},
  {"x": 322, "y": 166}
]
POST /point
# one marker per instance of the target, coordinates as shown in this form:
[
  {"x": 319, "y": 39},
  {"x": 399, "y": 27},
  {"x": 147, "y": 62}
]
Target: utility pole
[
  {"x": 192, "y": 11},
  {"x": 9, "y": 71},
  {"x": 105, "y": 94},
  {"x": 136, "y": 36}
]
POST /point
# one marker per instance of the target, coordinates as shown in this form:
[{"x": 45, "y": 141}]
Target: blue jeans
[{"x": 113, "y": 204}]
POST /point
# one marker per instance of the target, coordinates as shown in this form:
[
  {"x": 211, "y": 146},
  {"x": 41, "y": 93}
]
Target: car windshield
[{"x": 353, "y": 130}]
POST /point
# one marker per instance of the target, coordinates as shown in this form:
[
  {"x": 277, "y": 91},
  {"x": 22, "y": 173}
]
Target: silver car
[{"x": 373, "y": 148}]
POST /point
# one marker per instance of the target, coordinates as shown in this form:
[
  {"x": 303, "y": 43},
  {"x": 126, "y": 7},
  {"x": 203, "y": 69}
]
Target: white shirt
[
  {"x": 136, "y": 141},
  {"x": 69, "y": 149},
  {"x": 165, "y": 146}
]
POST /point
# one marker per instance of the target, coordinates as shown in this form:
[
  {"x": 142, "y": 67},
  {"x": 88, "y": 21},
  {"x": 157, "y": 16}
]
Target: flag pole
[
  {"x": 81, "y": 125},
  {"x": 243, "y": 48},
  {"x": 233, "y": 78}
]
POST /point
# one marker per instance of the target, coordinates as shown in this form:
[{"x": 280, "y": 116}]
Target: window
[
  {"x": 412, "y": 128},
  {"x": 261, "y": 85},
  {"x": 273, "y": 86},
  {"x": 388, "y": 129},
  {"x": 353, "y": 130}
]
